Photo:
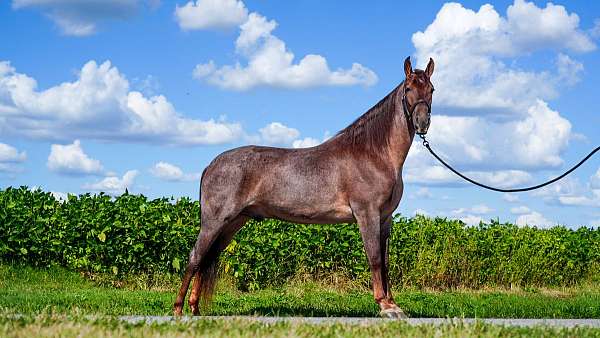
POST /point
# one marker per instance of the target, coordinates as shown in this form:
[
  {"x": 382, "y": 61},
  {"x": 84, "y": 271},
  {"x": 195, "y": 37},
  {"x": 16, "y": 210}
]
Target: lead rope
[{"x": 426, "y": 144}]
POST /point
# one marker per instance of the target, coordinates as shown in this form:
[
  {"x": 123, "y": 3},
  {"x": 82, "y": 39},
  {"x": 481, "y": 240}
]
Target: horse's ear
[
  {"x": 407, "y": 67},
  {"x": 429, "y": 69}
]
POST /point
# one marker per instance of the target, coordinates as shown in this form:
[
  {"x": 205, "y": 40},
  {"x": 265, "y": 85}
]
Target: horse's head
[{"x": 417, "y": 94}]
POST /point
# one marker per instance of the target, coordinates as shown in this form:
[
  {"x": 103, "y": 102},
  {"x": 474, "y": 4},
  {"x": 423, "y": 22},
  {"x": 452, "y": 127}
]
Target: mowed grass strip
[
  {"x": 31, "y": 291},
  {"x": 51, "y": 326}
]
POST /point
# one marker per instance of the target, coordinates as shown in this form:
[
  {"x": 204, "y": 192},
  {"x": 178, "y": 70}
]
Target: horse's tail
[
  {"x": 200, "y": 190},
  {"x": 209, "y": 265},
  {"x": 208, "y": 272}
]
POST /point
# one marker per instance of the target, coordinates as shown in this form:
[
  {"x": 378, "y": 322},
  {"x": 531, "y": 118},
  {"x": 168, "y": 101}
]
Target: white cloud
[
  {"x": 471, "y": 220},
  {"x": 595, "y": 180},
  {"x": 10, "y": 154},
  {"x": 436, "y": 175},
  {"x": 156, "y": 118},
  {"x": 70, "y": 159},
  {"x": 469, "y": 47},
  {"x": 113, "y": 185},
  {"x": 568, "y": 69},
  {"x": 571, "y": 192},
  {"x": 511, "y": 198},
  {"x": 99, "y": 105},
  {"x": 423, "y": 193},
  {"x": 60, "y": 196},
  {"x": 306, "y": 142},
  {"x": 534, "y": 218},
  {"x": 480, "y": 209},
  {"x": 520, "y": 210},
  {"x": 476, "y": 143},
  {"x": 421, "y": 212},
  {"x": 211, "y": 14},
  {"x": 81, "y": 18},
  {"x": 270, "y": 63},
  {"x": 595, "y": 31},
  {"x": 171, "y": 172},
  {"x": 277, "y": 133},
  {"x": 495, "y": 122}
]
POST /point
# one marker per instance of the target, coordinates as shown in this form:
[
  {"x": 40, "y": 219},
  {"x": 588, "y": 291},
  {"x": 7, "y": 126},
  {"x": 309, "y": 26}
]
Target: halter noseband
[{"x": 409, "y": 112}]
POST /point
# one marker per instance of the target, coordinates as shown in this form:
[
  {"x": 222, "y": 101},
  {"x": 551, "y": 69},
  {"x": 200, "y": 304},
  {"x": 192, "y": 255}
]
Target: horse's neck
[{"x": 400, "y": 140}]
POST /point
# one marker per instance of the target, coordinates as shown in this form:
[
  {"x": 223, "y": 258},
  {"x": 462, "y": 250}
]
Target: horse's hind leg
[
  {"x": 212, "y": 255},
  {"x": 208, "y": 233},
  {"x": 195, "y": 295}
]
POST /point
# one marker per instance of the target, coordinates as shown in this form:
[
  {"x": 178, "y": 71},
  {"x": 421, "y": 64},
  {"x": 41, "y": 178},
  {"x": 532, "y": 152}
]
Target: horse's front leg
[
  {"x": 388, "y": 306},
  {"x": 370, "y": 229}
]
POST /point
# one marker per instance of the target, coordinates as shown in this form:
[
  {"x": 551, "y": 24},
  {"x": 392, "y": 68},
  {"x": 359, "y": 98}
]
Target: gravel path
[{"x": 368, "y": 321}]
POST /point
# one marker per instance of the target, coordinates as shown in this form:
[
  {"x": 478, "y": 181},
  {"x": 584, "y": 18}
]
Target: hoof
[
  {"x": 177, "y": 311},
  {"x": 195, "y": 310},
  {"x": 393, "y": 313}
]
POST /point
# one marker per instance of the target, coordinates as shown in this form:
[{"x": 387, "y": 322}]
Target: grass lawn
[
  {"x": 49, "y": 326},
  {"x": 33, "y": 291},
  {"x": 58, "y": 302}
]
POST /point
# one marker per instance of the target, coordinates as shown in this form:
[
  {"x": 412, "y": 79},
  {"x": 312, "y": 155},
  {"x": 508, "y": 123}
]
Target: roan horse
[{"x": 356, "y": 176}]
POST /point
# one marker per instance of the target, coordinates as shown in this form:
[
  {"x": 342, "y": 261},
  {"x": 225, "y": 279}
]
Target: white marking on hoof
[{"x": 394, "y": 313}]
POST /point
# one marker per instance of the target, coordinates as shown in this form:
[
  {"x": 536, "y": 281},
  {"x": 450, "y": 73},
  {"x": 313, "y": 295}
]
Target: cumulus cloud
[
  {"x": 10, "y": 158},
  {"x": 277, "y": 133},
  {"x": 520, "y": 210},
  {"x": 511, "y": 198},
  {"x": 306, "y": 142},
  {"x": 436, "y": 175},
  {"x": 421, "y": 212},
  {"x": 480, "y": 209},
  {"x": 70, "y": 159},
  {"x": 171, "y": 172},
  {"x": 493, "y": 116},
  {"x": 595, "y": 31},
  {"x": 10, "y": 154},
  {"x": 534, "y": 218},
  {"x": 571, "y": 192},
  {"x": 568, "y": 69},
  {"x": 469, "y": 47},
  {"x": 211, "y": 14},
  {"x": 113, "y": 185},
  {"x": 271, "y": 63},
  {"x": 100, "y": 105},
  {"x": 423, "y": 192},
  {"x": 81, "y": 18},
  {"x": 471, "y": 220},
  {"x": 595, "y": 180},
  {"x": 60, "y": 196}
]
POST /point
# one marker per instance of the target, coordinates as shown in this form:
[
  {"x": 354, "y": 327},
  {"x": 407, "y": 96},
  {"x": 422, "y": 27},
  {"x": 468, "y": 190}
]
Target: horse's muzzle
[{"x": 421, "y": 119}]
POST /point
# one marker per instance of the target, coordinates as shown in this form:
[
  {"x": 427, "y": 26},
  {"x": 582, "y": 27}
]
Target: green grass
[
  {"x": 35, "y": 291},
  {"x": 49, "y": 326}
]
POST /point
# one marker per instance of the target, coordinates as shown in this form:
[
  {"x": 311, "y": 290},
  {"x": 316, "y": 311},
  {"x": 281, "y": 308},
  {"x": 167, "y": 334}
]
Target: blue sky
[{"x": 103, "y": 95}]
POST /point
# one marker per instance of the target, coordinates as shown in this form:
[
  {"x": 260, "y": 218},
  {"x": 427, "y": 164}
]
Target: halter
[{"x": 409, "y": 112}]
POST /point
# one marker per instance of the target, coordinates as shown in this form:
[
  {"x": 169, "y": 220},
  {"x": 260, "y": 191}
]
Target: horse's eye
[
  {"x": 407, "y": 89},
  {"x": 432, "y": 90}
]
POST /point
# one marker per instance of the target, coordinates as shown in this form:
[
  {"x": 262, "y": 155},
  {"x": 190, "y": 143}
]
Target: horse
[{"x": 355, "y": 176}]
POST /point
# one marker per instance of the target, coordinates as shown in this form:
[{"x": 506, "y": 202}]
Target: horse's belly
[{"x": 303, "y": 212}]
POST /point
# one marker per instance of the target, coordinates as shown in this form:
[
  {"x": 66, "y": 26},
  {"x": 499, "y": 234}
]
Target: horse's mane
[{"x": 371, "y": 130}]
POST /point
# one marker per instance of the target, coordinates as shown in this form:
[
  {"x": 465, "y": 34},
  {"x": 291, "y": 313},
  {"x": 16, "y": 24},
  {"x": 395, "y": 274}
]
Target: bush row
[{"x": 132, "y": 234}]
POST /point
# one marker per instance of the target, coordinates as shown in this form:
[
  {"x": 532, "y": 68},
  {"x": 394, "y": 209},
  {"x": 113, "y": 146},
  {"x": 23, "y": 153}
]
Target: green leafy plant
[{"x": 131, "y": 234}]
